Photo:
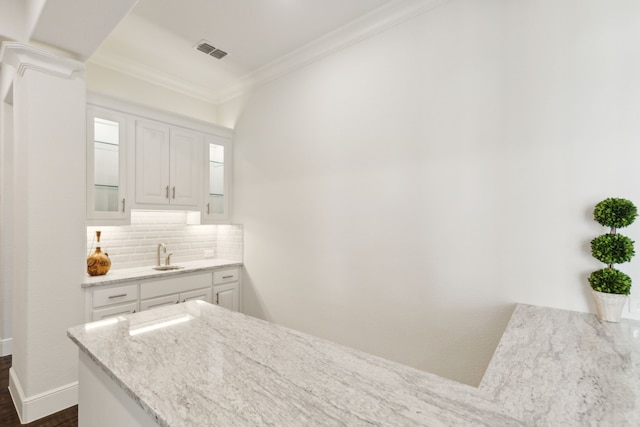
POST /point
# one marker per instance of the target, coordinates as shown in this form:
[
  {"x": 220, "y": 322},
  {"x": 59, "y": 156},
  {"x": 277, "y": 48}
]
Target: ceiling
[{"x": 155, "y": 41}]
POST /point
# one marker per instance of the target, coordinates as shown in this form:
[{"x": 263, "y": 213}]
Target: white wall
[
  {"x": 6, "y": 216},
  {"x": 108, "y": 82},
  {"x": 402, "y": 194}
]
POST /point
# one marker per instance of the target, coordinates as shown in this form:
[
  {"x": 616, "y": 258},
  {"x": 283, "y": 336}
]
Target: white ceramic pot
[{"x": 609, "y": 306}]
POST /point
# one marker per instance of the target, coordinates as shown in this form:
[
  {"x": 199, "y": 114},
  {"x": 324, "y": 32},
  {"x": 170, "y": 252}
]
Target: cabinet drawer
[
  {"x": 225, "y": 276},
  {"x": 102, "y": 297},
  {"x": 118, "y": 310},
  {"x": 174, "y": 285}
]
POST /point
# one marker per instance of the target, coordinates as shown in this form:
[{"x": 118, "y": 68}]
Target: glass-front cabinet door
[
  {"x": 217, "y": 176},
  {"x": 106, "y": 167}
]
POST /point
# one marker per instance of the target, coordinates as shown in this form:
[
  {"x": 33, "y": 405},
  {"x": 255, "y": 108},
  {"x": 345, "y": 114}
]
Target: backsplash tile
[{"x": 136, "y": 245}]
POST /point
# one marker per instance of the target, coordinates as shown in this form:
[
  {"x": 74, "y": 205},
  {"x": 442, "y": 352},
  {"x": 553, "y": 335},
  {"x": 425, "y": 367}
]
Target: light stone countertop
[
  {"x": 231, "y": 369},
  {"x": 147, "y": 272},
  {"x": 220, "y": 367},
  {"x": 562, "y": 368}
]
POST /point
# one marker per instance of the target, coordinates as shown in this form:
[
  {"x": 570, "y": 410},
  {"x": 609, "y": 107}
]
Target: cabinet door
[
  {"x": 152, "y": 163},
  {"x": 199, "y": 294},
  {"x": 106, "y": 167},
  {"x": 226, "y": 296},
  {"x": 217, "y": 175},
  {"x": 113, "y": 311},
  {"x": 148, "y": 304},
  {"x": 186, "y": 170}
]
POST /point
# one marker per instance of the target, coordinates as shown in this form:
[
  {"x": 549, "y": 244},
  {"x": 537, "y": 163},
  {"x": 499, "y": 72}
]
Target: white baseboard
[
  {"x": 40, "y": 405},
  {"x": 6, "y": 347}
]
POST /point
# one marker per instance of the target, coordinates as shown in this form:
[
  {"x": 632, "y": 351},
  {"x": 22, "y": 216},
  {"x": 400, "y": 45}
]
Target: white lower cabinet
[
  {"x": 116, "y": 310},
  {"x": 148, "y": 304},
  {"x": 221, "y": 287},
  {"x": 199, "y": 294},
  {"x": 173, "y": 290},
  {"x": 226, "y": 289}
]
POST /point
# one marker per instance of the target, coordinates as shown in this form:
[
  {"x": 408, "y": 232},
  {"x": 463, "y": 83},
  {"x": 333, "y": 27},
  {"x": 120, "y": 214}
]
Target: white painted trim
[
  {"x": 372, "y": 23},
  {"x": 96, "y": 99},
  {"x": 23, "y": 57},
  {"x": 6, "y": 347},
  {"x": 42, "y": 404},
  {"x": 178, "y": 84}
]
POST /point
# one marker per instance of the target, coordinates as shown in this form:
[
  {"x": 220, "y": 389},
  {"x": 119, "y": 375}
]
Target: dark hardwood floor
[{"x": 8, "y": 415}]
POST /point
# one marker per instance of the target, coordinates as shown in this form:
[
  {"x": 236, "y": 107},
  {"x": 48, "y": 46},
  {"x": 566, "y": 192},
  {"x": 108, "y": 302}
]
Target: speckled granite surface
[
  {"x": 129, "y": 274},
  {"x": 551, "y": 368},
  {"x": 197, "y": 364},
  {"x": 562, "y": 368}
]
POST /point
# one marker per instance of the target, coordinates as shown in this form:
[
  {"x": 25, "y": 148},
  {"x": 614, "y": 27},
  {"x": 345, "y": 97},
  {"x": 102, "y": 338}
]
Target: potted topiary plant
[{"x": 611, "y": 287}]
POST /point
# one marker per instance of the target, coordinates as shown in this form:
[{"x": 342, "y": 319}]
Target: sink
[{"x": 167, "y": 267}]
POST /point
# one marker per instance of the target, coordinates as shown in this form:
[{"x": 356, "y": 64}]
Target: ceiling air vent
[{"x": 210, "y": 50}]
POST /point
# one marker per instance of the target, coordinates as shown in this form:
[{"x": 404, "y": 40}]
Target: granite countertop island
[
  {"x": 563, "y": 368},
  {"x": 196, "y": 364},
  {"x": 199, "y": 364}
]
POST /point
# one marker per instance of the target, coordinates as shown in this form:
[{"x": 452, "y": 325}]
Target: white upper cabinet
[
  {"x": 106, "y": 167},
  {"x": 168, "y": 167},
  {"x": 141, "y": 158},
  {"x": 217, "y": 170}
]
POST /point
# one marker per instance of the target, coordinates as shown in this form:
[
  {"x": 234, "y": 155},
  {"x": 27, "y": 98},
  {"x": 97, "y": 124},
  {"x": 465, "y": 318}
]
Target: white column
[
  {"x": 6, "y": 210},
  {"x": 46, "y": 205}
]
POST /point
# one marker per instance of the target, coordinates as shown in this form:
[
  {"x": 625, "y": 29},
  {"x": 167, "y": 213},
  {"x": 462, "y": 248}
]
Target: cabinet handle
[
  {"x": 117, "y": 296},
  {"x": 166, "y": 193},
  {"x": 217, "y": 299},
  {"x": 227, "y": 277},
  {"x": 123, "y": 201},
  {"x": 173, "y": 192},
  {"x": 208, "y": 208},
  {"x": 134, "y": 311}
]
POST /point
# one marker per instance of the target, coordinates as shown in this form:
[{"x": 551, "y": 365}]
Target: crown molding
[
  {"x": 23, "y": 57},
  {"x": 370, "y": 24},
  {"x": 142, "y": 72}
]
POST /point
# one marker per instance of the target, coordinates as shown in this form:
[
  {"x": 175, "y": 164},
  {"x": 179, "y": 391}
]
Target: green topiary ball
[
  {"x": 611, "y": 281},
  {"x": 615, "y": 213},
  {"x": 612, "y": 248}
]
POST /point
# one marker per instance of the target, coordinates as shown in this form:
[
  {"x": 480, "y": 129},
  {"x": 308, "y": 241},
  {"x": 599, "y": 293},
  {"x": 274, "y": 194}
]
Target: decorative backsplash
[{"x": 136, "y": 245}]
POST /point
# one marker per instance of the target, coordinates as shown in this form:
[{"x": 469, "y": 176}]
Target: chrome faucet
[{"x": 161, "y": 245}]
